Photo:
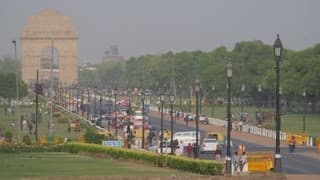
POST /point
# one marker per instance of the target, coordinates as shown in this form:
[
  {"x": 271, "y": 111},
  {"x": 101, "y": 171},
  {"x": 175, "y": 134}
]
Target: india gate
[{"x": 50, "y": 45}]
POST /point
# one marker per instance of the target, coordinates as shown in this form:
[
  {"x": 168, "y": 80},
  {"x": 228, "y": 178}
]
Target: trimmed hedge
[
  {"x": 207, "y": 167},
  {"x": 15, "y": 148}
]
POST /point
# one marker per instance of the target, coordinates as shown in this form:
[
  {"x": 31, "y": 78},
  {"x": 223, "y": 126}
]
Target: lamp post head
[
  {"x": 14, "y": 42},
  {"x": 243, "y": 87},
  {"x": 129, "y": 93},
  {"x": 277, "y": 48},
  {"x": 197, "y": 85},
  {"x": 143, "y": 95},
  {"x": 171, "y": 98},
  {"x": 259, "y": 88},
  {"x": 162, "y": 97},
  {"x": 229, "y": 70}
]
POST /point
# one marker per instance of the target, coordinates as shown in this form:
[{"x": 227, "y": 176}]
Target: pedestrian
[
  {"x": 181, "y": 147},
  {"x": 30, "y": 128},
  {"x": 235, "y": 162},
  {"x": 242, "y": 161},
  {"x": 194, "y": 149},
  {"x": 240, "y": 126},
  {"x": 189, "y": 150},
  {"x": 21, "y": 123},
  {"x": 218, "y": 153}
]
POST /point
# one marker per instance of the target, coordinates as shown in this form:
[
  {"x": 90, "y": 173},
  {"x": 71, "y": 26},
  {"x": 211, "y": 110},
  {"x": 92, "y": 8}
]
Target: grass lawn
[
  {"x": 289, "y": 122},
  {"x": 60, "y": 129},
  {"x": 26, "y": 165}
]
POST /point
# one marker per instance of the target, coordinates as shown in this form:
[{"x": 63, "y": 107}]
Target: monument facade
[{"x": 50, "y": 45}]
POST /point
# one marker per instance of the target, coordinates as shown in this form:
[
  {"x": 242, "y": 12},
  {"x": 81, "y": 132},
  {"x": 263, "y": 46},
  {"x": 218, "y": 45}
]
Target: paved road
[{"x": 292, "y": 163}]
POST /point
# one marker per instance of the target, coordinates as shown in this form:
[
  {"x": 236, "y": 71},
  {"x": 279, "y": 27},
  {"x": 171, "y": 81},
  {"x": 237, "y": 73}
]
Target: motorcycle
[{"x": 292, "y": 146}]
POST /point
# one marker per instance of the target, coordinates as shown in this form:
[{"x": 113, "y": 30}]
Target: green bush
[
  {"x": 56, "y": 114},
  {"x": 93, "y": 137},
  {"x": 8, "y": 136},
  {"x": 63, "y": 119},
  {"x": 26, "y": 139},
  {"x": 207, "y": 167},
  {"x": 14, "y": 148}
]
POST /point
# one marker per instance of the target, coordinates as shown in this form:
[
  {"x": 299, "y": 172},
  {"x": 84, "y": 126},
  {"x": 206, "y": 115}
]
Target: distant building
[{"x": 112, "y": 54}]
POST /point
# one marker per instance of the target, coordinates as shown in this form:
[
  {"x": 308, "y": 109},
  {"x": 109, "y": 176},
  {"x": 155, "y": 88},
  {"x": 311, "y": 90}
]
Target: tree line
[
  {"x": 8, "y": 86},
  {"x": 252, "y": 63}
]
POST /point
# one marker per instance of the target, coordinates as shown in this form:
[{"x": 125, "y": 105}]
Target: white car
[
  {"x": 166, "y": 147},
  {"x": 209, "y": 145}
]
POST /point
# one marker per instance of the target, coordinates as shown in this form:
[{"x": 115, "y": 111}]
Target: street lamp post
[
  {"x": 171, "y": 99},
  {"x": 260, "y": 104},
  {"x": 17, "y": 85},
  {"x": 109, "y": 111},
  {"x": 100, "y": 106},
  {"x": 65, "y": 96},
  {"x": 81, "y": 105},
  {"x": 162, "y": 97},
  {"x": 304, "y": 111},
  {"x": 180, "y": 100},
  {"x": 243, "y": 87},
  {"x": 88, "y": 104},
  {"x": 143, "y": 95},
  {"x": 197, "y": 90},
  {"x": 213, "y": 88},
  {"x": 115, "y": 113},
  {"x": 95, "y": 101},
  {"x": 277, "y": 48},
  {"x": 78, "y": 101},
  {"x": 129, "y": 135},
  {"x": 228, "y": 159},
  {"x": 69, "y": 104}
]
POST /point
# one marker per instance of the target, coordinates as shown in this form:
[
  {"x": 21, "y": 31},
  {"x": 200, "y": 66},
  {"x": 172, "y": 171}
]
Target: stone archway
[{"x": 45, "y": 31}]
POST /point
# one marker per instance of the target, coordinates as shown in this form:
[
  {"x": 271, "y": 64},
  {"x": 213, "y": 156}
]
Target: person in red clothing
[
  {"x": 189, "y": 150},
  {"x": 218, "y": 153}
]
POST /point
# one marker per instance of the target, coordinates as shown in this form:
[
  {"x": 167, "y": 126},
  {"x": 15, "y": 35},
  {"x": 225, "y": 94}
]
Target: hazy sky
[{"x": 142, "y": 27}]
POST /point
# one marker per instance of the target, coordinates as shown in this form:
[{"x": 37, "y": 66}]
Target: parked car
[
  {"x": 209, "y": 145},
  {"x": 188, "y": 117},
  {"x": 204, "y": 119}
]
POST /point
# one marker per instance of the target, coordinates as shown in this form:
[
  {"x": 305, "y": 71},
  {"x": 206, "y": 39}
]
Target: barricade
[
  {"x": 43, "y": 140},
  {"x": 318, "y": 144},
  {"x": 301, "y": 138},
  {"x": 260, "y": 161},
  {"x": 58, "y": 140},
  {"x": 81, "y": 139}
]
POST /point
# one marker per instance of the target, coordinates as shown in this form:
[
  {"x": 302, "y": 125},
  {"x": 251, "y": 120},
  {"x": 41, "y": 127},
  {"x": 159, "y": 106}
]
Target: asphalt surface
[{"x": 292, "y": 163}]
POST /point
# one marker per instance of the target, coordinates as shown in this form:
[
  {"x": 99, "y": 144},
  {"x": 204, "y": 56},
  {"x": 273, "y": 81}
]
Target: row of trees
[
  {"x": 253, "y": 65},
  {"x": 8, "y": 67}
]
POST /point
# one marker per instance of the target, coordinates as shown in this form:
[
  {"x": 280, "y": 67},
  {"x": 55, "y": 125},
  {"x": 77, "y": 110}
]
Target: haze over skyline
[{"x": 143, "y": 27}]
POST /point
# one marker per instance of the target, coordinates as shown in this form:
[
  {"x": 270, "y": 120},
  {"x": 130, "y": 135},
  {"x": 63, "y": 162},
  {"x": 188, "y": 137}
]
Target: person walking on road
[
  {"x": 243, "y": 161},
  {"x": 236, "y": 162}
]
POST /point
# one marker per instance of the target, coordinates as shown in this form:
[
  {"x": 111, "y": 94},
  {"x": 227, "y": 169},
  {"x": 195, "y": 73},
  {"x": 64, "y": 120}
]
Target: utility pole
[
  {"x": 50, "y": 92},
  {"x": 17, "y": 85},
  {"x": 37, "y": 108}
]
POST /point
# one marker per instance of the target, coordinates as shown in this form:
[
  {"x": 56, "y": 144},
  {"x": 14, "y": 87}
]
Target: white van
[{"x": 186, "y": 137}]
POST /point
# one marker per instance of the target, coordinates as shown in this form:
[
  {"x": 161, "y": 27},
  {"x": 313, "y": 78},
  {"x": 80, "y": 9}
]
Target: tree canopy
[{"x": 253, "y": 65}]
